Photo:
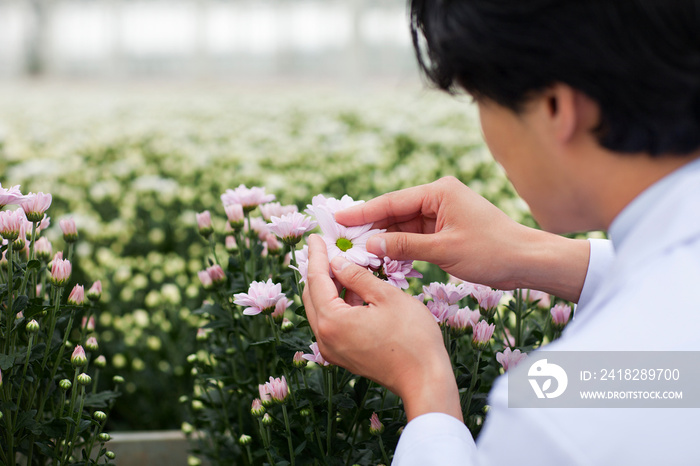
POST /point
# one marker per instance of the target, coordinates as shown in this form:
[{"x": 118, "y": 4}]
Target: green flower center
[{"x": 343, "y": 244}]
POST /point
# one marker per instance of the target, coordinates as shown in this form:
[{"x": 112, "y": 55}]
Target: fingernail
[
  {"x": 339, "y": 263},
  {"x": 377, "y": 243}
]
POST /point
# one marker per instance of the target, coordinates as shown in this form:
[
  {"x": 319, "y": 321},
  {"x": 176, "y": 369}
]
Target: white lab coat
[{"x": 642, "y": 292}]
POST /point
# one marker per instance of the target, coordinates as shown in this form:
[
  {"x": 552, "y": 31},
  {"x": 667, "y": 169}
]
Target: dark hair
[{"x": 638, "y": 59}]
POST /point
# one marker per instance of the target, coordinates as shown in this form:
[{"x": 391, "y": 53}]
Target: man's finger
[
  {"x": 406, "y": 246},
  {"x": 387, "y": 209},
  {"x": 360, "y": 281},
  {"x": 322, "y": 290}
]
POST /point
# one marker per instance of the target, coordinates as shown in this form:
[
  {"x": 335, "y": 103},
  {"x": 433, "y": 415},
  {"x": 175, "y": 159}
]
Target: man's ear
[{"x": 560, "y": 105}]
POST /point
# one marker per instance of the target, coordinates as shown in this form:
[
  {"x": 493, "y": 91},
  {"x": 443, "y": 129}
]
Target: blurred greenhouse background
[{"x": 136, "y": 114}]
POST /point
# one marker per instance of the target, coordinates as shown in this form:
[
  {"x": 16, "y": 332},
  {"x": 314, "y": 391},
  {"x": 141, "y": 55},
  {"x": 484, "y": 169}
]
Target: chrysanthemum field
[{"x": 133, "y": 165}]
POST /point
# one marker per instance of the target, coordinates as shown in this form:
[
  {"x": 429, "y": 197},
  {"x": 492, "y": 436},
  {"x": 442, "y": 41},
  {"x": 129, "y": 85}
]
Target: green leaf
[{"x": 33, "y": 265}]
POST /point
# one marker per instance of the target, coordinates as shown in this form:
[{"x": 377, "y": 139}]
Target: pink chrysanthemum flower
[
  {"x": 217, "y": 274},
  {"x": 88, "y": 324},
  {"x": 446, "y": 292},
  {"x": 509, "y": 358},
  {"x": 9, "y": 195},
  {"x": 204, "y": 223},
  {"x": 560, "y": 315},
  {"x": 262, "y": 297},
  {"x": 298, "y": 360},
  {"x": 235, "y": 215},
  {"x": 256, "y": 408},
  {"x": 347, "y": 242},
  {"x": 265, "y": 397},
  {"x": 282, "y": 305},
  {"x": 249, "y": 198},
  {"x": 275, "y": 209},
  {"x": 77, "y": 296},
  {"x": 316, "y": 357},
  {"x": 230, "y": 244},
  {"x": 488, "y": 300},
  {"x": 396, "y": 272},
  {"x": 206, "y": 280},
  {"x": 70, "y": 231},
  {"x": 43, "y": 249},
  {"x": 483, "y": 331},
  {"x": 60, "y": 271},
  {"x": 441, "y": 310},
  {"x": 543, "y": 299},
  {"x": 95, "y": 291},
  {"x": 78, "y": 358},
  {"x": 273, "y": 244},
  {"x": 11, "y": 223},
  {"x": 330, "y": 204},
  {"x": 463, "y": 320},
  {"x": 35, "y": 205},
  {"x": 375, "y": 425},
  {"x": 291, "y": 227},
  {"x": 302, "y": 258},
  {"x": 278, "y": 389},
  {"x": 91, "y": 344}
]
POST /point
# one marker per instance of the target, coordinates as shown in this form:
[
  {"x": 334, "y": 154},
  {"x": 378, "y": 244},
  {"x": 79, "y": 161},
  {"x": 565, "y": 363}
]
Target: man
[{"x": 593, "y": 109}]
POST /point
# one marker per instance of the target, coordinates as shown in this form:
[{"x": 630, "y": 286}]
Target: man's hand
[
  {"x": 448, "y": 224},
  {"x": 393, "y": 339}
]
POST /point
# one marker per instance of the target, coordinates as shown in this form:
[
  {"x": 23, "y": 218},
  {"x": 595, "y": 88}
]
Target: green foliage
[{"x": 46, "y": 413}]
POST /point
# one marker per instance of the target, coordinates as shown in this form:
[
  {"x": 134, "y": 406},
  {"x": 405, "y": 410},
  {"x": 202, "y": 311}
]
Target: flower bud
[
  {"x": 305, "y": 412},
  {"x": 43, "y": 249},
  {"x": 267, "y": 420},
  {"x": 204, "y": 224},
  {"x": 257, "y": 409},
  {"x": 78, "y": 358},
  {"x": 231, "y": 246},
  {"x": 99, "y": 416},
  {"x": 217, "y": 274},
  {"x": 298, "y": 360},
  {"x": 104, "y": 437},
  {"x": 235, "y": 215},
  {"x": 34, "y": 206},
  {"x": 100, "y": 361},
  {"x": 70, "y": 231},
  {"x": 187, "y": 428},
  {"x": 110, "y": 455},
  {"x": 375, "y": 425},
  {"x": 65, "y": 385},
  {"x": 77, "y": 296},
  {"x": 118, "y": 379},
  {"x": 91, "y": 344},
  {"x": 245, "y": 439},
  {"x": 560, "y": 315},
  {"x": 84, "y": 379},
  {"x": 95, "y": 291},
  {"x": 287, "y": 325},
  {"x": 483, "y": 331},
  {"x": 60, "y": 271},
  {"x": 32, "y": 326},
  {"x": 202, "y": 334}
]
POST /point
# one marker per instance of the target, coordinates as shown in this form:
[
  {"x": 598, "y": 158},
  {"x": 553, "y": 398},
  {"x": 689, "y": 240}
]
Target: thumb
[
  {"x": 360, "y": 281},
  {"x": 406, "y": 246}
]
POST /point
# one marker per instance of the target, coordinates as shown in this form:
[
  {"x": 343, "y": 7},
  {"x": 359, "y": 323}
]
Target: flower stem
[
  {"x": 385, "y": 457},
  {"x": 329, "y": 426},
  {"x": 10, "y": 292},
  {"x": 289, "y": 434},
  {"x": 472, "y": 384}
]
